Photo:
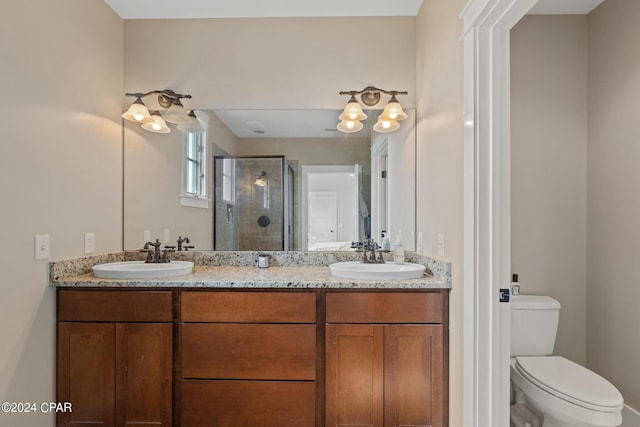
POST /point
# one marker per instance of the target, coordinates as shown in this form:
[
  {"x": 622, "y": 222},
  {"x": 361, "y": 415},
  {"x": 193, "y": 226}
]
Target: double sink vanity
[{"x": 230, "y": 344}]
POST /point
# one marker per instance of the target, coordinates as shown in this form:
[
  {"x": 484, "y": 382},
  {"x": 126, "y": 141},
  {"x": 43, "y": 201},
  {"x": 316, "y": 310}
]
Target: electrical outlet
[
  {"x": 41, "y": 246},
  {"x": 166, "y": 235},
  {"x": 440, "y": 244},
  {"x": 147, "y": 236},
  {"x": 89, "y": 243}
]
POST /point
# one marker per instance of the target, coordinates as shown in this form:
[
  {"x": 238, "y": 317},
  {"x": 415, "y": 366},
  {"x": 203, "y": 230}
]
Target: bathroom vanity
[{"x": 242, "y": 346}]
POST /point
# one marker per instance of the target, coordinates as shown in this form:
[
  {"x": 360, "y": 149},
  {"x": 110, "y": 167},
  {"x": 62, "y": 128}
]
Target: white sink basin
[
  {"x": 141, "y": 270},
  {"x": 359, "y": 270}
]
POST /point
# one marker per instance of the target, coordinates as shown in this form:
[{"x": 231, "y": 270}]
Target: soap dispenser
[
  {"x": 515, "y": 286},
  {"x": 386, "y": 243},
  {"x": 398, "y": 250}
]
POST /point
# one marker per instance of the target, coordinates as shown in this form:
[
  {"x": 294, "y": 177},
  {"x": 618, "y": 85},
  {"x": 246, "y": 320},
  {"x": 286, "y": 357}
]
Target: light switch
[
  {"x": 42, "y": 246},
  {"x": 89, "y": 243},
  {"x": 440, "y": 244}
]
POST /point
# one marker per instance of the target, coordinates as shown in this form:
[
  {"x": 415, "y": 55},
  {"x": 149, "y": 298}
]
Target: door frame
[
  {"x": 306, "y": 170},
  {"x": 379, "y": 187},
  {"x": 487, "y": 207}
]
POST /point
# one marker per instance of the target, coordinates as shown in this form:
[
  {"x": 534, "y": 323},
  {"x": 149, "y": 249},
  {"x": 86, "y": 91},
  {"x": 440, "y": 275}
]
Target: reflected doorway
[{"x": 334, "y": 213}]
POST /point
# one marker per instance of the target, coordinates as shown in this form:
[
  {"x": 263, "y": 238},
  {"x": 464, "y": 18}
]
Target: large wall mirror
[{"x": 270, "y": 180}]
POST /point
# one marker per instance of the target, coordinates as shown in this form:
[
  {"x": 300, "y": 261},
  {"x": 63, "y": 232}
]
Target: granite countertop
[
  {"x": 253, "y": 277},
  {"x": 284, "y": 274}
]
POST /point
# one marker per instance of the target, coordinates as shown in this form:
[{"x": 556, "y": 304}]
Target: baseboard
[{"x": 630, "y": 417}]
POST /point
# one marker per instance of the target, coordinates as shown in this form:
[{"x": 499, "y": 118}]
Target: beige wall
[
  {"x": 613, "y": 212},
  {"x": 271, "y": 63},
  {"x": 548, "y": 168},
  {"x": 439, "y": 87},
  {"x": 60, "y": 172}
]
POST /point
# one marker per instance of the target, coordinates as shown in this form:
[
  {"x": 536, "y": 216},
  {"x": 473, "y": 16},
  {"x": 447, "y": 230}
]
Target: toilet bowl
[
  {"x": 564, "y": 393},
  {"x": 567, "y": 394}
]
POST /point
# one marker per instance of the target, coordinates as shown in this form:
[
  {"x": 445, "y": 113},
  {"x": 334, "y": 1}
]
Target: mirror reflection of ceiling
[
  {"x": 289, "y": 123},
  {"x": 171, "y": 9}
]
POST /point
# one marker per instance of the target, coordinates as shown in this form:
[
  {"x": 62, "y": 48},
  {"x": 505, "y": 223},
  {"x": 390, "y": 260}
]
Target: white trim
[
  {"x": 379, "y": 149},
  {"x": 630, "y": 417},
  {"x": 194, "y": 202},
  {"x": 487, "y": 234}
]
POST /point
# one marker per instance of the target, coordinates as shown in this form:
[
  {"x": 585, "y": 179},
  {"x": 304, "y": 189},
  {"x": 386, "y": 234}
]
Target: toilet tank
[{"x": 534, "y": 323}]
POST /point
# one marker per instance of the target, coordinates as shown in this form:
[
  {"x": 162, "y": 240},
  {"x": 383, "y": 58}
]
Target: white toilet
[{"x": 560, "y": 391}]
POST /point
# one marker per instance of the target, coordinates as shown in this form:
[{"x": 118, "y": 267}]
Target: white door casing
[{"x": 487, "y": 212}]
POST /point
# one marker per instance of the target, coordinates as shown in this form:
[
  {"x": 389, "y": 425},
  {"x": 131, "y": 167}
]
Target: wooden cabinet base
[{"x": 219, "y": 403}]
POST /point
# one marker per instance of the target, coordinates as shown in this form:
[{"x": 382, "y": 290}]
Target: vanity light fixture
[
  {"x": 352, "y": 115},
  {"x": 156, "y": 122},
  {"x": 193, "y": 125}
]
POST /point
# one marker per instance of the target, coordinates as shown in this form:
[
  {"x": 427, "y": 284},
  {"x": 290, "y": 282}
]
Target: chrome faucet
[{"x": 157, "y": 255}]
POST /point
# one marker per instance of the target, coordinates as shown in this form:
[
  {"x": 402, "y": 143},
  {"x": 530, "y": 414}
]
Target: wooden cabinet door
[
  {"x": 413, "y": 383},
  {"x": 354, "y": 375},
  {"x": 86, "y": 364},
  {"x": 144, "y": 366}
]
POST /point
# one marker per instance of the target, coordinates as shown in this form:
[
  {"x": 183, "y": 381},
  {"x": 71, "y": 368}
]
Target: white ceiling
[
  {"x": 167, "y": 9},
  {"x": 561, "y": 7},
  {"x": 180, "y": 9}
]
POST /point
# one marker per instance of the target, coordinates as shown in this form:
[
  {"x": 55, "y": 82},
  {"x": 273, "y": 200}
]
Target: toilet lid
[{"x": 571, "y": 382}]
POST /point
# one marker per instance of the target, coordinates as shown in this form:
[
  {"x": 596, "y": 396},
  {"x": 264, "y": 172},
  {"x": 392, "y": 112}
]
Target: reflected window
[
  {"x": 228, "y": 180},
  {"x": 194, "y": 189}
]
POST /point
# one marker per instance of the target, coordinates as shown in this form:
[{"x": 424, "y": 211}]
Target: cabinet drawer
[
  {"x": 115, "y": 306},
  {"x": 258, "y": 352},
  {"x": 250, "y": 307},
  {"x": 384, "y": 307},
  {"x": 247, "y": 404}
]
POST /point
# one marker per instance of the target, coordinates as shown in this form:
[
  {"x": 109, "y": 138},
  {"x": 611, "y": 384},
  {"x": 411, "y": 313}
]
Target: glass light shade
[
  {"x": 193, "y": 125},
  {"x": 156, "y": 124},
  {"x": 176, "y": 114},
  {"x": 384, "y": 125},
  {"x": 352, "y": 111},
  {"x": 137, "y": 112},
  {"x": 350, "y": 126},
  {"x": 393, "y": 110}
]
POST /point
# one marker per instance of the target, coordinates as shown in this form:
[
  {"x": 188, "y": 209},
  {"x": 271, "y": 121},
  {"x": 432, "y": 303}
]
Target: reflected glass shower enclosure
[{"x": 253, "y": 207}]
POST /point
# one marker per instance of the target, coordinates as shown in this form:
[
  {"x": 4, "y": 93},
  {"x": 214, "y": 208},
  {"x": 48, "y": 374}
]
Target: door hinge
[
  {"x": 504, "y": 295},
  {"x": 384, "y": 174}
]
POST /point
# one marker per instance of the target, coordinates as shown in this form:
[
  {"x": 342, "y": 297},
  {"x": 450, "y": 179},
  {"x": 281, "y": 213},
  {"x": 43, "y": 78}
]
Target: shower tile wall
[
  {"x": 242, "y": 223},
  {"x": 255, "y": 202}
]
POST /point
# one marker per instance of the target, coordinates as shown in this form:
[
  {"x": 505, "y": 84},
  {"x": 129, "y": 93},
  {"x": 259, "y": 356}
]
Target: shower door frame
[{"x": 287, "y": 222}]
